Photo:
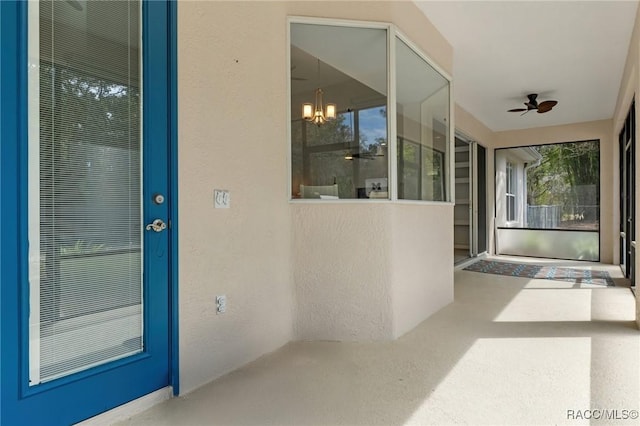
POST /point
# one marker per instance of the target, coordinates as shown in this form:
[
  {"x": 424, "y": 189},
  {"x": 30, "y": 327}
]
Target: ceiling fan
[{"x": 533, "y": 104}]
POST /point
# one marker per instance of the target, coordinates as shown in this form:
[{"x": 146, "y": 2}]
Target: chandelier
[{"x": 318, "y": 114}]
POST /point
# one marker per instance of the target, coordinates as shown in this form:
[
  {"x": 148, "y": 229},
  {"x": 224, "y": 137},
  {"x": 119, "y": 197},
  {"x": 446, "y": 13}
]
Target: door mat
[{"x": 526, "y": 270}]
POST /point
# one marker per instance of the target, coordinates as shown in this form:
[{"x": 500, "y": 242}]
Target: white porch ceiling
[{"x": 570, "y": 51}]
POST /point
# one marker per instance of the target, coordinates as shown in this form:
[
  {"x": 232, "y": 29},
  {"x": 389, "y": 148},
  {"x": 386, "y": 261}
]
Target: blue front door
[{"x": 85, "y": 206}]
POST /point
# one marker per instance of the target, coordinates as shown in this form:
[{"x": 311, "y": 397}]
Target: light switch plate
[
  {"x": 221, "y": 199},
  {"x": 221, "y": 304}
]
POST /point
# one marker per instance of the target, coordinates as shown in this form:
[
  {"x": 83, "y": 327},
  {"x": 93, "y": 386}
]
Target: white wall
[
  {"x": 231, "y": 117},
  {"x": 502, "y": 158},
  {"x": 232, "y": 120},
  {"x": 521, "y": 191},
  {"x": 370, "y": 271},
  {"x": 500, "y": 188},
  {"x": 342, "y": 271},
  {"x": 421, "y": 259}
]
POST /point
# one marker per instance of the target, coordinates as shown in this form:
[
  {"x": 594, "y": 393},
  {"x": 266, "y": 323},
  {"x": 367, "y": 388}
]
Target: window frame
[
  {"x": 511, "y": 193},
  {"x": 393, "y": 33}
]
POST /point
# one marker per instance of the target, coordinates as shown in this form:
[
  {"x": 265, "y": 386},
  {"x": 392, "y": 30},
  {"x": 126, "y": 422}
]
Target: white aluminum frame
[{"x": 392, "y": 134}]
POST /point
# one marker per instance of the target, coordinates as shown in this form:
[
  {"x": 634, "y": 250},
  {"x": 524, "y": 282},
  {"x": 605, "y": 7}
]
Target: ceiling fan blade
[
  {"x": 533, "y": 105},
  {"x": 363, "y": 156},
  {"x": 546, "y": 106}
]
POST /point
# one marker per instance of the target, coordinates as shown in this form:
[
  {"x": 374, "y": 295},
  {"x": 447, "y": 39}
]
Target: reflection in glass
[
  {"x": 350, "y": 152},
  {"x": 423, "y": 127},
  {"x": 84, "y": 186}
]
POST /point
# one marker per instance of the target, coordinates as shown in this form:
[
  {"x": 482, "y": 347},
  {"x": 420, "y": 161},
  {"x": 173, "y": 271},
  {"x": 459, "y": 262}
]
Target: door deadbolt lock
[
  {"x": 158, "y": 198},
  {"x": 157, "y": 225}
]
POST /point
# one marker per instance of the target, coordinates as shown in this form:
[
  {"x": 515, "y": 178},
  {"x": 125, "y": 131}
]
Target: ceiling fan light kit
[{"x": 532, "y": 104}]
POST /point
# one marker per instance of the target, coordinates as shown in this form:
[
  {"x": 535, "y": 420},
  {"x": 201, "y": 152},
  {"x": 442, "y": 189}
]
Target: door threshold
[
  {"x": 466, "y": 262},
  {"x": 125, "y": 411}
]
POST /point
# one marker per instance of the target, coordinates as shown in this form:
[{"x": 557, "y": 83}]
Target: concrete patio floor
[{"x": 507, "y": 351}]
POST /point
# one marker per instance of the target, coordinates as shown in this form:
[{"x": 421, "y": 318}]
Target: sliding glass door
[
  {"x": 470, "y": 237},
  {"x": 627, "y": 149}
]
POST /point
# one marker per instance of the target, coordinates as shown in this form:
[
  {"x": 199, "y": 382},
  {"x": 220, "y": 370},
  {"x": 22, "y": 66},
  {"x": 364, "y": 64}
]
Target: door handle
[{"x": 157, "y": 225}]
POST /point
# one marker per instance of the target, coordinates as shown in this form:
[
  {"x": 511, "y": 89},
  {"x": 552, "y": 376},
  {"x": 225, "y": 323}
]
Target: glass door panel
[
  {"x": 84, "y": 190},
  {"x": 463, "y": 219},
  {"x": 627, "y": 196}
]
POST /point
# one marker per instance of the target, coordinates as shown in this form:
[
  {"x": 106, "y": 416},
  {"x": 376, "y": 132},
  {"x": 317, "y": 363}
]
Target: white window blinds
[{"x": 85, "y": 168}]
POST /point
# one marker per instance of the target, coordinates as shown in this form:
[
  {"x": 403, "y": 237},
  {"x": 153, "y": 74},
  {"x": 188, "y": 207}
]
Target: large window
[
  {"x": 340, "y": 126},
  {"x": 345, "y": 157},
  {"x": 554, "y": 186},
  {"x": 548, "y": 200},
  {"x": 422, "y": 99}
]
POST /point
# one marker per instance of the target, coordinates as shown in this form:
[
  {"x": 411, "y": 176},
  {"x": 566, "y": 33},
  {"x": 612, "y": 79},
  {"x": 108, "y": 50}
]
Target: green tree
[{"x": 568, "y": 175}]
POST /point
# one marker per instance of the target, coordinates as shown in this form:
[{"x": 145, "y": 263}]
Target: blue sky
[{"x": 373, "y": 124}]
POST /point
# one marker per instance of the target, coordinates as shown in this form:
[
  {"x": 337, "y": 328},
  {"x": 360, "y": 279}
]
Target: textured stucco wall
[
  {"x": 342, "y": 271},
  {"x": 347, "y": 275},
  {"x": 472, "y": 128},
  {"x": 232, "y": 118},
  {"x": 232, "y": 123},
  {"x": 421, "y": 255},
  {"x": 232, "y": 135},
  {"x": 370, "y": 271}
]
